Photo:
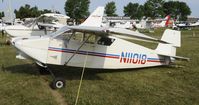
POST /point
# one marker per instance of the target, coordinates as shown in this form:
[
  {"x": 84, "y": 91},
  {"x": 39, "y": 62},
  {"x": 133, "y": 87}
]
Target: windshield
[
  {"x": 41, "y": 19},
  {"x": 59, "y": 32},
  {"x": 29, "y": 23}
]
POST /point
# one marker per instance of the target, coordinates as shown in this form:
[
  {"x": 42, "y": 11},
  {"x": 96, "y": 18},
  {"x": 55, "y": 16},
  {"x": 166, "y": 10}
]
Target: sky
[{"x": 59, "y": 4}]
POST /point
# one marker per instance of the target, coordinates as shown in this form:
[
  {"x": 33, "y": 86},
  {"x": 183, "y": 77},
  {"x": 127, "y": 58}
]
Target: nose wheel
[{"x": 57, "y": 82}]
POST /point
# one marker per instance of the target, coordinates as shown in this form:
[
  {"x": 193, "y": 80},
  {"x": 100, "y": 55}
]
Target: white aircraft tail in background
[
  {"x": 95, "y": 19},
  {"x": 167, "y": 18}
]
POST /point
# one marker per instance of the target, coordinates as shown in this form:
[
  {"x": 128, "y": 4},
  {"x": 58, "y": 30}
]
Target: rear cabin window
[{"x": 105, "y": 41}]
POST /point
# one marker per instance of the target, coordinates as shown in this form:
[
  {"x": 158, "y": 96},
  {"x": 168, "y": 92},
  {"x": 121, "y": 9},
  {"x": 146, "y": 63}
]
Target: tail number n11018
[{"x": 133, "y": 58}]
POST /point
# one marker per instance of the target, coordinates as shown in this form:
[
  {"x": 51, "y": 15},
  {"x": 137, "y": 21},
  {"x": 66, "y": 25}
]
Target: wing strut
[{"x": 77, "y": 50}]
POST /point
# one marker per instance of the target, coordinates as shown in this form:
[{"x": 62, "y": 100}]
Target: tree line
[
  {"x": 28, "y": 12},
  {"x": 79, "y": 9},
  {"x": 158, "y": 8}
]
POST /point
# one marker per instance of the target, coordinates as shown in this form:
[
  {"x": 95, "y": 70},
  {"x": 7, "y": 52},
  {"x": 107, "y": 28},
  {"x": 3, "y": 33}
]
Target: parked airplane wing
[
  {"x": 114, "y": 31},
  {"x": 88, "y": 29},
  {"x": 60, "y": 31}
]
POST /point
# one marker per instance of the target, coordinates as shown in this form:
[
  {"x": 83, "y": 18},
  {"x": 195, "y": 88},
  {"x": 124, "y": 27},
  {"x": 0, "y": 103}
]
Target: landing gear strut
[
  {"x": 57, "y": 82},
  {"x": 43, "y": 70}
]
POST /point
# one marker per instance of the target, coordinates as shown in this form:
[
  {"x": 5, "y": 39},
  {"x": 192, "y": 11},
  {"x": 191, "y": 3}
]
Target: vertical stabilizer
[
  {"x": 173, "y": 38},
  {"x": 167, "y": 20},
  {"x": 95, "y": 19}
]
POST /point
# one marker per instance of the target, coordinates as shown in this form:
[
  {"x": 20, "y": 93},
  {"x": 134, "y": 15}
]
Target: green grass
[{"x": 21, "y": 84}]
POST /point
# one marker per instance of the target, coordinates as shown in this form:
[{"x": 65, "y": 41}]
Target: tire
[{"x": 58, "y": 83}]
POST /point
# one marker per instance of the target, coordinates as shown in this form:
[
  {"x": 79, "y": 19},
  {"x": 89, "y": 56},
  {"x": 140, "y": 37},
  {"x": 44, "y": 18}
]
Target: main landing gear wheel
[{"x": 58, "y": 83}]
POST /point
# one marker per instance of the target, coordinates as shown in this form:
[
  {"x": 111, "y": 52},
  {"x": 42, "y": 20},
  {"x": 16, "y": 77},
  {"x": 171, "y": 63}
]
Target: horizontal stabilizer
[
  {"x": 166, "y": 49},
  {"x": 118, "y": 32},
  {"x": 177, "y": 57}
]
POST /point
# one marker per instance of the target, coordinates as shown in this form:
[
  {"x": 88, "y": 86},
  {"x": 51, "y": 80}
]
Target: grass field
[{"x": 21, "y": 84}]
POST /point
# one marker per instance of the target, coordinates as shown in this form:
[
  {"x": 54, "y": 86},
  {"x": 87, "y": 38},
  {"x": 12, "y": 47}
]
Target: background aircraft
[
  {"x": 163, "y": 22},
  {"x": 44, "y": 24}
]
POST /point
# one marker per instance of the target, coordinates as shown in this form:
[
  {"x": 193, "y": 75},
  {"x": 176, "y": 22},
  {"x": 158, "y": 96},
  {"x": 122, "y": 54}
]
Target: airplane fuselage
[{"x": 103, "y": 53}]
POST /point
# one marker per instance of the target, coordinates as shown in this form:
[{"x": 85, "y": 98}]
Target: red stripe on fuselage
[
  {"x": 155, "y": 61},
  {"x": 114, "y": 57}
]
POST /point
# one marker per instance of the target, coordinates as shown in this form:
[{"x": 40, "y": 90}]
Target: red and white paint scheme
[{"x": 163, "y": 23}]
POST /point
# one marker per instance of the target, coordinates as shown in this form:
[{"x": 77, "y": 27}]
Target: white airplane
[
  {"x": 104, "y": 48},
  {"x": 36, "y": 27},
  {"x": 181, "y": 26},
  {"x": 163, "y": 23},
  {"x": 143, "y": 24},
  {"x": 196, "y": 24},
  {"x": 186, "y": 25}
]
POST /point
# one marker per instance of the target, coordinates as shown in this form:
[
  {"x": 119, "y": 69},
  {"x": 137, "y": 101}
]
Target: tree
[
  {"x": 177, "y": 9},
  {"x": 35, "y": 12},
  {"x": 134, "y": 10},
  {"x": 110, "y": 9},
  {"x": 28, "y": 12},
  {"x": 1, "y": 15},
  {"x": 154, "y": 8},
  {"x": 77, "y": 9}
]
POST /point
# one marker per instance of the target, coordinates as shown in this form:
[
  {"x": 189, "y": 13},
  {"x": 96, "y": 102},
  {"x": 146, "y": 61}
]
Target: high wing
[
  {"x": 88, "y": 29},
  {"x": 117, "y": 32}
]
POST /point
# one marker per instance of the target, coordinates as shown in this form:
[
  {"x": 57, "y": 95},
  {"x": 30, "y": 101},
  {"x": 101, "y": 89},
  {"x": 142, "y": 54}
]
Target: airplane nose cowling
[
  {"x": 13, "y": 40},
  {"x": 17, "y": 42},
  {"x": 35, "y": 48}
]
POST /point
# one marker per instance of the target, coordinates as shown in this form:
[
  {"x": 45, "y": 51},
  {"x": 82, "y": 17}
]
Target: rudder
[{"x": 173, "y": 39}]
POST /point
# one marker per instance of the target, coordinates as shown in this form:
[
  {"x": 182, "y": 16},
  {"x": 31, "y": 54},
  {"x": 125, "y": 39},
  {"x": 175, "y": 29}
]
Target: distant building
[
  {"x": 118, "y": 22},
  {"x": 61, "y": 18},
  {"x": 192, "y": 19},
  {"x": 117, "y": 19}
]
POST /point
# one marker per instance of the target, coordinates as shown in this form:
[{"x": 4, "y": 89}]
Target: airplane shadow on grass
[{"x": 68, "y": 73}]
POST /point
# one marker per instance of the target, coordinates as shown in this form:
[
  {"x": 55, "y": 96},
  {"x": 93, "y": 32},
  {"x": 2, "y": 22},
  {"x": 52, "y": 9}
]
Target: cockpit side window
[
  {"x": 105, "y": 41},
  {"x": 78, "y": 36}
]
